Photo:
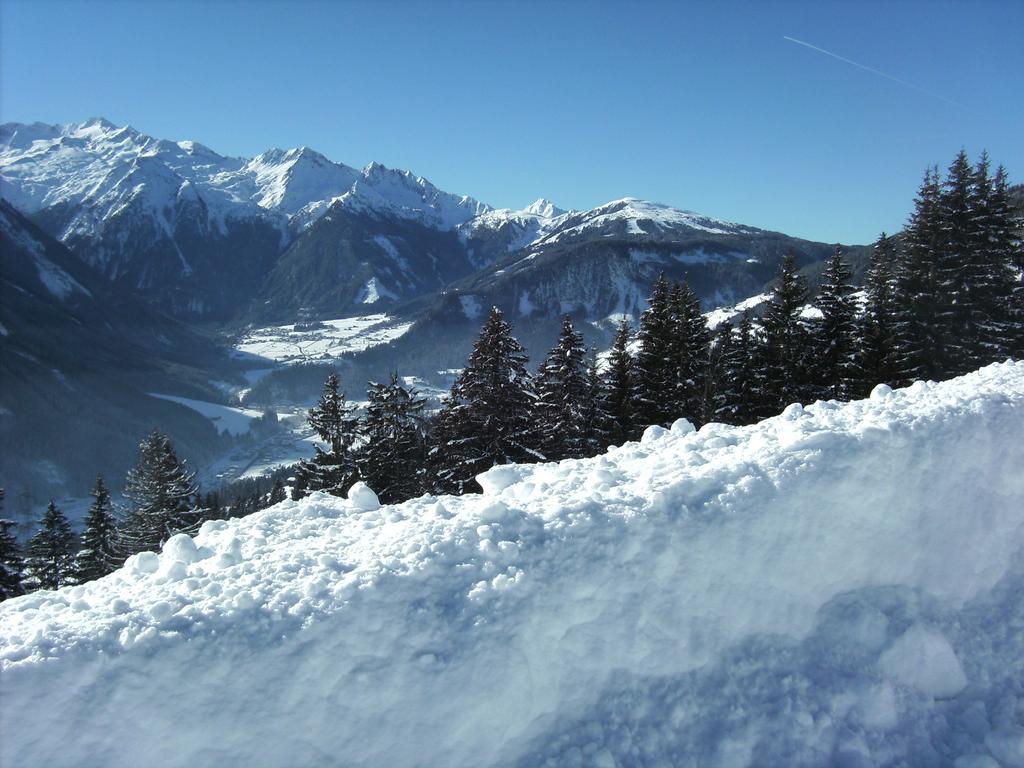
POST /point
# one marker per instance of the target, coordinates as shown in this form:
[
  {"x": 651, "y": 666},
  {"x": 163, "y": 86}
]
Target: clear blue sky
[{"x": 701, "y": 105}]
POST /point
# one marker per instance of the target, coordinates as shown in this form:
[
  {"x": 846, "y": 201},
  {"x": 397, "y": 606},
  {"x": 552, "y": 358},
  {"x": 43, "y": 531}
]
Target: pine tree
[
  {"x": 561, "y": 393},
  {"x": 747, "y": 372},
  {"x": 876, "y": 363},
  {"x": 277, "y": 493},
  {"x": 999, "y": 290},
  {"x": 334, "y": 470},
  {"x": 596, "y": 420},
  {"x": 691, "y": 347},
  {"x": 50, "y": 561},
  {"x": 785, "y": 343},
  {"x": 919, "y": 341},
  {"x": 834, "y": 343},
  {"x": 393, "y": 455},
  {"x": 722, "y": 374},
  {"x": 655, "y": 370},
  {"x": 618, "y": 388},
  {"x": 11, "y": 564},
  {"x": 159, "y": 490},
  {"x": 488, "y": 417},
  {"x": 959, "y": 269},
  {"x": 98, "y": 554}
]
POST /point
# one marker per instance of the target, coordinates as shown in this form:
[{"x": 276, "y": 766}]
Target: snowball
[
  {"x": 681, "y": 427},
  {"x": 181, "y": 547},
  {"x": 881, "y": 392},
  {"x": 161, "y": 610},
  {"x": 652, "y": 433},
  {"x": 119, "y": 606},
  {"x": 363, "y": 498},
  {"x": 143, "y": 562},
  {"x": 498, "y": 478},
  {"x": 923, "y": 659},
  {"x": 793, "y": 411}
]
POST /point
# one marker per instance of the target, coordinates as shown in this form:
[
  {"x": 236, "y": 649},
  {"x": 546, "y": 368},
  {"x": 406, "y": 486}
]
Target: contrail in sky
[{"x": 876, "y": 72}]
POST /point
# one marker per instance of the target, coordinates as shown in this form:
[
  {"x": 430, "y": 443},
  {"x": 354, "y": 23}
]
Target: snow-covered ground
[
  {"x": 330, "y": 340},
  {"x": 839, "y": 585},
  {"x": 230, "y": 419}
]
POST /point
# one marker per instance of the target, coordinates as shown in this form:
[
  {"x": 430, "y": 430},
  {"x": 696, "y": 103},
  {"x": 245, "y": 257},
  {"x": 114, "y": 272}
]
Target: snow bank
[{"x": 839, "y": 585}]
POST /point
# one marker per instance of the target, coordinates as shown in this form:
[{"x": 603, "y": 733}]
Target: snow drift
[{"x": 840, "y": 585}]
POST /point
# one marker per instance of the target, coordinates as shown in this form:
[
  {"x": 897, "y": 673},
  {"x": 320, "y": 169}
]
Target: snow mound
[{"x": 839, "y": 585}]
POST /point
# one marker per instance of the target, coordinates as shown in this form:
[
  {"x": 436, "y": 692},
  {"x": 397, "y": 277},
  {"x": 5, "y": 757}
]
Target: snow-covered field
[
  {"x": 332, "y": 339},
  {"x": 839, "y": 585},
  {"x": 230, "y": 419}
]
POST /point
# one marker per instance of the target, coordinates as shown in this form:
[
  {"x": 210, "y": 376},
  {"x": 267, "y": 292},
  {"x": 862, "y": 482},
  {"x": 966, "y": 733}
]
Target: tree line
[{"x": 943, "y": 298}]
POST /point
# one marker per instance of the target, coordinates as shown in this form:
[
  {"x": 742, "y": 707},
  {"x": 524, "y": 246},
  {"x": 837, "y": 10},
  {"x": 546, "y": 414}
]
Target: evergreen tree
[
  {"x": 834, "y": 344},
  {"x": 159, "y": 490},
  {"x": 876, "y": 363},
  {"x": 746, "y": 370},
  {"x": 334, "y": 470},
  {"x": 691, "y": 346},
  {"x": 488, "y": 417},
  {"x": 561, "y": 395},
  {"x": 919, "y": 352},
  {"x": 618, "y": 395},
  {"x": 999, "y": 287},
  {"x": 11, "y": 564},
  {"x": 50, "y": 561},
  {"x": 393, "y": 455},
  {"x": 596, "y": 419},
  {"x": 277, "y": 493},
  {"x": 723, "y": 377},
  {"x": 960, "y": 268},
  {"x": 98, "y": 554},
  {"x": 655, "y": 372},
  {"x": 786, "y": 341}
]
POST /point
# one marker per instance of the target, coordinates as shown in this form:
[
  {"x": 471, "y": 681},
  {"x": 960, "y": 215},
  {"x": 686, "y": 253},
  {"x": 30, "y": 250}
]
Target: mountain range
[{"x": 153, "y": 250}]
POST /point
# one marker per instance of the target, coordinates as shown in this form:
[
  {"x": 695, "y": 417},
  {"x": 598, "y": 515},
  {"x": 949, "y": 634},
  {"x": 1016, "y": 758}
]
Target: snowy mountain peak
[
  {"x": 543, "y": 208},
  {"x": 82, "y": 164}
]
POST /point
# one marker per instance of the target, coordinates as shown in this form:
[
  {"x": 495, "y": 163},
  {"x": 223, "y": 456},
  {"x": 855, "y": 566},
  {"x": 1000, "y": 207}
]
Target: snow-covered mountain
[
  {"x": 840, "y": 585},
  {"x": 77, "y": 354},
  {"x": 185, "y": 224}
]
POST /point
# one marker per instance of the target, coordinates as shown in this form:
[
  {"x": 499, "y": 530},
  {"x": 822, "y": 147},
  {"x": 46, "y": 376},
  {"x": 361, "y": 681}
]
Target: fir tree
[
  {"x": 999, "y": 289},
  {"x": 723, "y": 378},
  {"x": 876, "y": 363},
  {"x": 277, "y": 493},
  {"x": 334, "y": 470},
  {"x": 919, "y": 352},
  {"x": 159, "y": 490},
  {"x": 488, "y": 417},
  {"x": 785, "y": 343},
  {"x": 596, "y": 419},
  {"x": 98, "y": 554},
  {"x": 960, "y": 268},
  {"x": 393, "y": 455},
  {"x": 691, "y": 347},
  {"x": 50, "y": 561},
  {"x": 561, "y": 394},
  {"x": 617, "y": 391},
  {"x": 655, "y": 371},
  {"x": 834, "y": 344},
  {"x": 746, "y": 371},
  {"x": 11, "y": 564}
]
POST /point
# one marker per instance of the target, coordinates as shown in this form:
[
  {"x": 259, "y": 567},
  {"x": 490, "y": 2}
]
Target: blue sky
[{"x": 701, "y": 105}]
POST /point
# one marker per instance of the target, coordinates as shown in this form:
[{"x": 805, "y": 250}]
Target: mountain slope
[
  {"x": 77, "y": 355},
  {"x": 805, "y": 591}
]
